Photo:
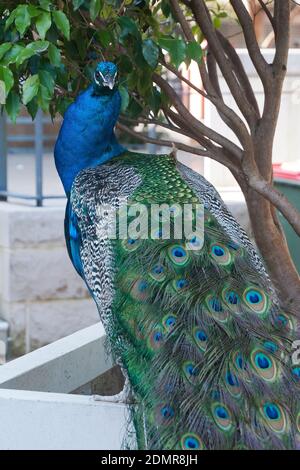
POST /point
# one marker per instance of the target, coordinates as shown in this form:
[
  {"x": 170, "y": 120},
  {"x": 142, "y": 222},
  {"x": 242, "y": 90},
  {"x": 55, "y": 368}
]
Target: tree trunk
[
  {"x": 267, "y": 229},
  {"x": 272, "y": 244}
]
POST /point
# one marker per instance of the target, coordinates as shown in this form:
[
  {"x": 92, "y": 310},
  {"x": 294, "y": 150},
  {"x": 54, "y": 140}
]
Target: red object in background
[{"x": 280, "y": 170}]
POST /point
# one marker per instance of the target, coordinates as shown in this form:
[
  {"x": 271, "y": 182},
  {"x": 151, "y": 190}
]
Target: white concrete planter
[{"x": 38, "y": 409}]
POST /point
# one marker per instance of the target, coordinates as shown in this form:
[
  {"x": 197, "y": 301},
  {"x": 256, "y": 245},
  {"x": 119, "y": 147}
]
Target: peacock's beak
[{"x": 109, "y": 82}]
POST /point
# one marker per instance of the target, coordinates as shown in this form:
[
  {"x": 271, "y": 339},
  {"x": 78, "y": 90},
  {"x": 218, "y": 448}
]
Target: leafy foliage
[{"x": 48, "y": 50}]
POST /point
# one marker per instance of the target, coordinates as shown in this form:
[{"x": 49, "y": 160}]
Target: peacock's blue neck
[{"x": 86, "y": 138}]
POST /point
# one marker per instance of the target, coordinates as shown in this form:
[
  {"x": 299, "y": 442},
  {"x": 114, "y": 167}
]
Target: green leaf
[
  {"x": 104, "y": 37},
  {"x": 7, "y": 77},
  {"x": 95, "y": 7},
  {"x": 45, "y": 4},
  {"x": 165, "y": 8},
  {"x": 134, "y": 109},
  {"x": 43, "y": 98},
  {"x": 124, "y": 97},
  {"x": 124, "y": 65},
  {"x": 2, "y": 92},
  {"x": 47, "y": 80},
  {"x": 197, "y": 33},
  {"x": 63, "y": 104},
  {"x": 32, "y": 107},
  {"x": 12, "y": 55},
  {"x": 33, "y": 11},
  {"x": 77, "y": 4},
  {"x": 4, "y": 48},
  {"x": 38, "y": 46},
  {"x": 81, "y": 42},
  {"x": 30, "y": 88},
  {"x": 176, "y": 49},
  {"x": 217, "y": 22},
  {"x": 155, "y": 100},
  {"x": 62, "y": 78},
  {"x": 11, "y": 19},
  {"x": 23, "y": 19},
  {"x": 30, "y": 50},
  {"x": 13, "y": 105},
  {"x": 62, "y": 23},
  {"x": 144, "y": 84},
  {"x": 54, "y": 55},
  {"x": 150, "y": 52},
  {"x": 107, "y": 11},
  {"x": 43, "y": 23},
  {"x": 128, "y": 27},
  {"x": 194, "y": 51},
  {"x": 24, "y": 54}
]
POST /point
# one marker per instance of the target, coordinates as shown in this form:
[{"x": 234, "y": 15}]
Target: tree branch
[
  {"x": 182, "y": 20},
  {"x": 282, "y": 20},
  {"x": 227, "y": 114},
  {"x": 260, "y": 64},
  {"x": 187, "y": 32},
  {"x": 156, "y": 122},
  {"x": 270, "y": 37},
  {"x": 197, "y": 125},
  {"x": 268, "y": 191},
  {"x": 179, "y": 75},
  {"x": 240, "y": 72},
  {"x": 180, "y": 122},
  {"x": 215, "y": 153},
  {"x": 162, "y": 142},
  {"x": 212, "y": 72},
  {"x": 217, "y": 156},
  {"x": 268, "y": 13},
  {"x": 265, "y": 131},
  {"x": 203, "y": 19}
]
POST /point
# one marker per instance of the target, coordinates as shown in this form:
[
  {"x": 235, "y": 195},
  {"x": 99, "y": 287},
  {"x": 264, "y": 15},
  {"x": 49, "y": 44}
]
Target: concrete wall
[{"x": 41, "y": 295}]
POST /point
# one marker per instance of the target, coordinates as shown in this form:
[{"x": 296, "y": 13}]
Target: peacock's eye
[{"x": 97, "y": 74}]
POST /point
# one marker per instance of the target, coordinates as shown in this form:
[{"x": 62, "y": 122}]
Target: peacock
[{"x": 192, "y": 318}]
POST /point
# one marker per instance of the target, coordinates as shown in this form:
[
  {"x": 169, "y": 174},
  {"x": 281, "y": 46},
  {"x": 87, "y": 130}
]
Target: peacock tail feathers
[{"x": 193, "y": 319}]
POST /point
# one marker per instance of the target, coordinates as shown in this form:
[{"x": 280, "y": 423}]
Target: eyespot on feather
[
  {"x": 180, "y": 285},
  {"x": 232, "y": 384},
  {"x": 158, "y": 273},
  {"x": 232, "y": 300},
  {"x": 178, "y": 255},
  {"x": 191, "y": 371},
  {"x": 200, "y": 337},
  {"x": 140, "y": 290},
  {"x": 169, "y": 322},
  {"x": 215, "y": 307},
  {"x": 274, "y": 416},
  {"x": 220, "y": 254},
  {"x": 191, "y": 441},
  {"x": 131, "y": 244},
  {"x": 264, "y": 365},
  {"x": 155, "y": 339},
  {"x": 222, "y": 416},
  {"x": 256, "y": 300}
]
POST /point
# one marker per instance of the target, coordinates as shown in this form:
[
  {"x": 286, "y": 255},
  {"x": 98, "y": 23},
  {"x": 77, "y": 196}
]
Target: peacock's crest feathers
[{"x": 194, "y": 319}]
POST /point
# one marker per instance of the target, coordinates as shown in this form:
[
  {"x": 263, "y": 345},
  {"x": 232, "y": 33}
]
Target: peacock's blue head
[{"x": 105, "y": 77}]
